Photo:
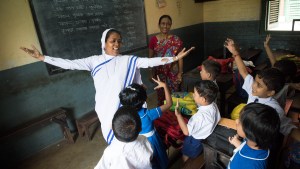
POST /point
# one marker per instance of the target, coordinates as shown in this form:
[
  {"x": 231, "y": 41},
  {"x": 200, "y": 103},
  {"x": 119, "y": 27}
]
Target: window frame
[{"x": 264, "y": 20}]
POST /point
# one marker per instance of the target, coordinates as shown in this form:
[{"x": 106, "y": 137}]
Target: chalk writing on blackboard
[{"x": 72, "y": 29}]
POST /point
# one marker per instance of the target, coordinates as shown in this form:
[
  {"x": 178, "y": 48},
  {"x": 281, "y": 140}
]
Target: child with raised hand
[
  {"x": 201, "y": 124},
  {"x": 129, "y": 150},
  {"x": 258, "y": 125},
  {"x": 135, "y": 95},
  {"x": 288, "y": 68},
  {"x": 263, "y": 87}
]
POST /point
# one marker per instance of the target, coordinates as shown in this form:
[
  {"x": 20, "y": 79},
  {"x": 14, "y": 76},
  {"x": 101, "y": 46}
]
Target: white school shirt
[
  {"x": 110, "y": 77},
  {"x": 132, "y": 155},
  {"x": 203, "y": 123},
  {"x": 286, "y": 124}
]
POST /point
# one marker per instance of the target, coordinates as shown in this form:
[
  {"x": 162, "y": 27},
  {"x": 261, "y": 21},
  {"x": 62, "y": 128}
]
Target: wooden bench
[
  {"x": 85, "y": 122},
  {"x": 58, "y": 116}
]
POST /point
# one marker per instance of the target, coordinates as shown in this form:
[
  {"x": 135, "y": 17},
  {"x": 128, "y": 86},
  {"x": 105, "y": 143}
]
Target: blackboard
[{"x": 72, "y": 29}]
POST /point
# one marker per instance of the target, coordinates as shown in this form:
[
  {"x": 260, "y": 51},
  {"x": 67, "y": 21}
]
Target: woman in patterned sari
[{"x": 166, "y": 45}]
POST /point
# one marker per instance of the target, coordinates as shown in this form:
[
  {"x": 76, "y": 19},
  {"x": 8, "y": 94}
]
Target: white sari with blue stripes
[{"x": 111, "y": 74}]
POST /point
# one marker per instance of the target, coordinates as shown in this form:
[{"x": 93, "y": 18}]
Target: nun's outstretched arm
[{"x": 157, "y": 61}]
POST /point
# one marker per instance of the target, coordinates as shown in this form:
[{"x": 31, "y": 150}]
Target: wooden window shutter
[{"x": 274, "y": 11}]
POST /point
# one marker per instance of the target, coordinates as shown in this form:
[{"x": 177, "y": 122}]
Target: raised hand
[
  {"x": 266, "y": 42},
  {"x": 177, "y": 112},
  {"x": 231, "y": 46},
  {"x": 33, "y": 52},
  {"x": 160, "y": 84}
]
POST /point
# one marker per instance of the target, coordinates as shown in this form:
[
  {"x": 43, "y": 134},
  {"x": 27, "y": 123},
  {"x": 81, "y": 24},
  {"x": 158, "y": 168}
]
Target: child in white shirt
[
  {"x": 129, "y": 150},
  {"x": 201, "y": 124}
]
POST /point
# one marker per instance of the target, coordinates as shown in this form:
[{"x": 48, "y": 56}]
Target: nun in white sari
[{"x": 110, "y": 71}]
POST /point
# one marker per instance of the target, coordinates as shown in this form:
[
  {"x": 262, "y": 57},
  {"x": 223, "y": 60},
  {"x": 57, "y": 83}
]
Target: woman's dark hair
[
  {"x": 133, "y": 95},
  {"x": 164, "y": 16},
  {"x": 260, "y": 124},
  {"x": 126, "y": 124},
  {"x": 110, "y": 32},
  {"x": 287, "y": 67},
  {"x": 212, "y": 67},
  {"x": 207, "y": 89},
  {"x": 273, "y": 78}
]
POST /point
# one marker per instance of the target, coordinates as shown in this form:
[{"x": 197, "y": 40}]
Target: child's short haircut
[
  {"x": 133, "y": 95},
  {"x": 260, "y": 124},
  {"x": 212, "y": 67},
  {"x": 287, "y": 67},
  {"x": 273, "y": 79},
  {"x": 207, "y": 89},
  {"x": 126, "y": 124}
]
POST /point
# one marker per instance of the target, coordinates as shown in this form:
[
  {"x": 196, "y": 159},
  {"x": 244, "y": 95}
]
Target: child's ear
[
  {"x": 271, "y": 93},
  {"x": 209, "y": 75},
  {"x": 203, "y": 99}
]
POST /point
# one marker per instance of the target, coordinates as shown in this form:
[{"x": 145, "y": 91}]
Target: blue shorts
[{"x": 192, "y": 147}]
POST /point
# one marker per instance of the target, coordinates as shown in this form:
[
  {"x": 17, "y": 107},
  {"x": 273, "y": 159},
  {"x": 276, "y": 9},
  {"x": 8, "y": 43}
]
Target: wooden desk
[{"x": 224, "y": 82}]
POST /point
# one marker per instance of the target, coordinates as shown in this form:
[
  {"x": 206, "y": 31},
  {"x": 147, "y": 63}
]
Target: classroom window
[{"x": 281, "y": 15}]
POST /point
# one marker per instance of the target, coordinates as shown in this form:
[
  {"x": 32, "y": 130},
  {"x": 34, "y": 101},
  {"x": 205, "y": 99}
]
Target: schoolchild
[
  {"x": 258, "y": 125},
  {"x": 128, "y": 150},
  {"x": 210, "y": 70},
  {"x": 201, "y": 124},
  {"x": 263, "y": 87},
  {"x": 135, "y": 95}
]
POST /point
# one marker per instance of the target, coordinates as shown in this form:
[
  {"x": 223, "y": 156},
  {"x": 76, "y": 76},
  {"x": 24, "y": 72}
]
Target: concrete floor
[{"x": 83, "y": 154}]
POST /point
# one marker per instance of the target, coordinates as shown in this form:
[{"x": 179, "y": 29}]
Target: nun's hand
[
  {"x": 183, "y": 53},
  {"x": 33, "y": 52}
]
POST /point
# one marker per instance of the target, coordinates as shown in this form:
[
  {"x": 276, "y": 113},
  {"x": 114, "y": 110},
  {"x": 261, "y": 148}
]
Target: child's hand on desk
[{"x": 234, "y": 140}]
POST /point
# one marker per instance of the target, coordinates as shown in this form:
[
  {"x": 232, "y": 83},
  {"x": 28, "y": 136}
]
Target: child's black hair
[
  {"x": 273, "y": 78},
  {"x": 287, "y": 67},
  {"x": 126, "y": 124},
  {"x": 260, "y": 124},
  {"x": 212, "y": 67},
  {"x": 133, "y": 95},
  {"x": 207, "y": 89}
]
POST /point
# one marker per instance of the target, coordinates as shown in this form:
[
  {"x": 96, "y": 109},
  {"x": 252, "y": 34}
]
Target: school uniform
[
  {"x": 111, "y": 74},
  {"x": 159, "y": 150},
  {"x": 135, "y": 154},
  {"x": 246, "y": 157},
  {"x": 200, "y": 126},
  {"x": 285, "y": 123}
]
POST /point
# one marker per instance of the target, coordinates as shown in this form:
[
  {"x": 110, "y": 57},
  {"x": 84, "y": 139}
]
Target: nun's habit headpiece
[{"x": 103, "y": 40}]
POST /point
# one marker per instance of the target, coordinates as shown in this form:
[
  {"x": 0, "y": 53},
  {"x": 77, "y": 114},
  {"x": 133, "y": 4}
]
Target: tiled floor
[{"x": 83, "y": 154}]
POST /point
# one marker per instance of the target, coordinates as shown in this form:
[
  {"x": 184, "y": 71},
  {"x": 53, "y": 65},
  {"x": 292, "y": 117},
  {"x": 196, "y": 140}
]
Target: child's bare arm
[
  {"x": 180, "y": 120},
  {"x": 269, "y": 51},
  {"x": 169, "y": 102},
  {"x": 234, "y": 141},
  {"x": 229, "y": 44}
]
